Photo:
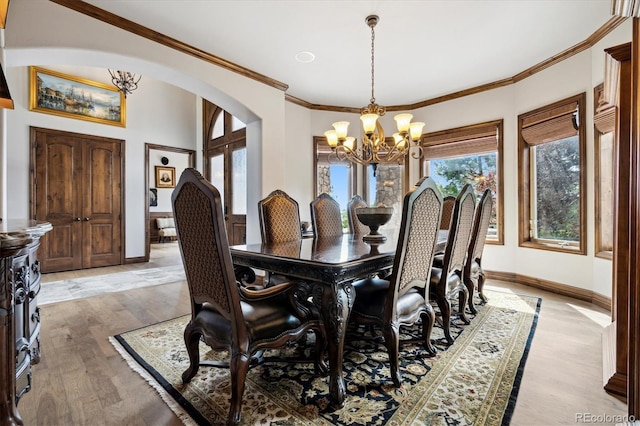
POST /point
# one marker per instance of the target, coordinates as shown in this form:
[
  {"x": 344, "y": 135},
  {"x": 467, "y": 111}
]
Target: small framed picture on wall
[
  {"x": 165, "y": 177},
  {"x": 153, "y": 197}
]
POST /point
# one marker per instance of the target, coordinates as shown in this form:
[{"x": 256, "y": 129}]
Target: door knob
[
  {"x": 86, "y": 219},
  {"x": 77, "y": 219}
]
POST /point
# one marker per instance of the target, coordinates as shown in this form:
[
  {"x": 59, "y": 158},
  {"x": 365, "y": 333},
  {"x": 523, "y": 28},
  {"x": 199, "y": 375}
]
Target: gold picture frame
[
  {"x": 165, "y": 177},
  {"x": 64, "y": 95}
]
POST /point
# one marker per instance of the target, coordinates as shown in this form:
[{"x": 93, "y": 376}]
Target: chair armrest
[{"x": 264, "y": 293}]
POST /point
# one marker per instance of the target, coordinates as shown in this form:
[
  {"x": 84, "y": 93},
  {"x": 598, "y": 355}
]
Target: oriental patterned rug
[{"x": 475, "y": 381}]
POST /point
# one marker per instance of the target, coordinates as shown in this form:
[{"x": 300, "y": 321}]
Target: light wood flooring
[{"x": 82, "y": 380}]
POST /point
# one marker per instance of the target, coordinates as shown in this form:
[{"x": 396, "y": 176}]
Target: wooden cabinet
[{"x": 19, "y": 312}]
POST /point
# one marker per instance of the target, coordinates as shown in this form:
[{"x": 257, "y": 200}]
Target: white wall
[
  {"x": 177, "y": 160},
  {"x": 279, "y": 134}
]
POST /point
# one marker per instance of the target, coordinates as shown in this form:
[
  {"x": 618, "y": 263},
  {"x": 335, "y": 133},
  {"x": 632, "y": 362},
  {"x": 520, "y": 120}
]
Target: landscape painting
[{"x": 60, "y": 94}]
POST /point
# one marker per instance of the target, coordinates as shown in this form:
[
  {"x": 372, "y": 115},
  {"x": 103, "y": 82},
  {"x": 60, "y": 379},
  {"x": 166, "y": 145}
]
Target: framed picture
[
  {"x": 165, "y": 177},
  {"x": 153, "y": 197},
  {"x": 64, "y": 95}
]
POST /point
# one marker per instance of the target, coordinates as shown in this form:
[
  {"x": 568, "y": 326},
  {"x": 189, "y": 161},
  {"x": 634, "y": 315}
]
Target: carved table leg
[{"x": 335, "y": 307}]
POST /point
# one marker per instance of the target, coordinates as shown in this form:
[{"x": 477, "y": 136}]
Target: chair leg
[
  {"x": 445, "y": 311},
  {"x": 239, "y": 366},
  {"x": 463, "y": 299},
  {"x": 428, "y": 320},
  {"x": 481, "y": 287},
  {"x": 392, "y": 342},
  {"x": 192, "y": 341},
  {"x": 470, "y": 285}
]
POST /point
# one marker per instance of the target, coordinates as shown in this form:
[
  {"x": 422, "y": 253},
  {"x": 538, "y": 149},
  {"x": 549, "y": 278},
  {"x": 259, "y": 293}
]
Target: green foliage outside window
[
  {"x": 452, "y": 174},
  {"x": 557, "y": 186}
]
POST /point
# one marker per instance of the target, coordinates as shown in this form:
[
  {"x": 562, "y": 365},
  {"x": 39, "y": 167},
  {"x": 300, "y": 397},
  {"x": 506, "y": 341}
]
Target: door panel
[
  {"x": 102, "y": 206},
  {"x": 228, "y": 173},
  {"x": 226, "y": 167},
  {"x": 58, "y": 199},
  {"x": 77, "y": 188},
  {"x": 237, "y": 217}
]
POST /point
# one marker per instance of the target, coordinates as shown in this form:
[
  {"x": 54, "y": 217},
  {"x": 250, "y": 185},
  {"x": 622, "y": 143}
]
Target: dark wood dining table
[{"x": 330, "y": 265}]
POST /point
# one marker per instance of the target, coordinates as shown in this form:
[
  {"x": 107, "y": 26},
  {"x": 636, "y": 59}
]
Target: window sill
[{"x": 552, "y": 246}]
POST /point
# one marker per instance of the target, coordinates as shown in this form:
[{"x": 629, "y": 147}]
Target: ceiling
[{"x": 423, "y": 49}]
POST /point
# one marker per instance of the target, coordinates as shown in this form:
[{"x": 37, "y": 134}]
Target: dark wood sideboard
[{"x": 19, "y": 312}]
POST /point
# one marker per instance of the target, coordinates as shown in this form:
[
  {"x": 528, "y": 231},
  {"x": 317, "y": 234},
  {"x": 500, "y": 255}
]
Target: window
[
  {"x": 552, "y": 180},
  {"x": 388, "y": 188},
  {"x": 604, "y": 123},
  {"x": 470, "y": 154},
  {"x": 225, "y": 165},
  {"x": 333, "y": 176}
]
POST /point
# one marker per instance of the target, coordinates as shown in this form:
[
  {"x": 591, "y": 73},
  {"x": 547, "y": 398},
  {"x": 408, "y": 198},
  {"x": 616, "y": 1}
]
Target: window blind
[
  {"x": 470, "y": 140},
  {"x": 550, "y": 124}
]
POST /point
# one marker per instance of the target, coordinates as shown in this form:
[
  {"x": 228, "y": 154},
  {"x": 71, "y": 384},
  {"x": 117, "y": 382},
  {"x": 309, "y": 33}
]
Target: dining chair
[
  {"x": 448, "y": 269},
  {"x": 357, "y": 228},
  {"x": 224, "y": 314},
  {"x": 279, "y": 217},
  {"x": 473, "y": 273},
  {"x": 326, "y": 218},
  {"x": 447, "y": 210},
  {"x": 402, "y": 299}
]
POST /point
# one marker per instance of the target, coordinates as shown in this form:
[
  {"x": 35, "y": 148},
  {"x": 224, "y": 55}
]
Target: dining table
[{"x": 328, "y": 267}]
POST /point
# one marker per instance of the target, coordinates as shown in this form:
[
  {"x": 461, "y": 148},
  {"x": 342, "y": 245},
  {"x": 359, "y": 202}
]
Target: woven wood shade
[
  {"x": 605, "y": 120},
  {"x": 480, "y": 139},
  {"x": 549, "y": 125}
]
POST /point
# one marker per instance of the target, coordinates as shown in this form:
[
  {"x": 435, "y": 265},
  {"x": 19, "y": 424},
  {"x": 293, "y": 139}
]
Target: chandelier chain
[{"x": 373, "y": 38}]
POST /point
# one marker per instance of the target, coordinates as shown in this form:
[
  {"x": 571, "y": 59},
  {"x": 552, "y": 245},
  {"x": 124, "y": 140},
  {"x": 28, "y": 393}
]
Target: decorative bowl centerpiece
[{"x": 374, "y": 217}]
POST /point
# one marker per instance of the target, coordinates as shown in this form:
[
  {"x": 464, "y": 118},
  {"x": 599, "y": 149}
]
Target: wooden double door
[{"x": 77, "y": 187}]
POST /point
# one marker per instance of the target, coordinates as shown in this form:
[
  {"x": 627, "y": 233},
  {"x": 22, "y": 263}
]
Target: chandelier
[
  {"x": 375, "y": 148},
  {"x": 125, "y": 81}
]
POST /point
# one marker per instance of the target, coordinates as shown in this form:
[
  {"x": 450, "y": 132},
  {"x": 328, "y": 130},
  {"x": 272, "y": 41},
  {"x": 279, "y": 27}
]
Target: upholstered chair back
[
  {"x": 326, "y": 218},
  {"x": 279, "y": 217},
  {"x": 419, "y": 227},
  {"x": 460, "y": 230},
  {"x": 480, "y": 226},
  {"x": 447, "y": 210},
  {"x": 356, "y": 227},
  {"x": 202, "y": 238}
]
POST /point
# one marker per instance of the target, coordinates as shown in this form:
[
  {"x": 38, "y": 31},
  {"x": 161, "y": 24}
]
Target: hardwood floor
[{"x": 82, "y": 380}]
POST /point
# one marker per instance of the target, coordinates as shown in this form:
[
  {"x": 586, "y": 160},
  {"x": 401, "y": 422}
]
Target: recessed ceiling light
[{"x": 305, "y": 57}]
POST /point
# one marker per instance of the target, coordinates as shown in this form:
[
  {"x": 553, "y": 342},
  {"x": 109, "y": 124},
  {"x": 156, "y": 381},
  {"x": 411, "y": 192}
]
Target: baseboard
[
  {"x": 140, "y": 259},
  {"x": 553, "y": 287}
]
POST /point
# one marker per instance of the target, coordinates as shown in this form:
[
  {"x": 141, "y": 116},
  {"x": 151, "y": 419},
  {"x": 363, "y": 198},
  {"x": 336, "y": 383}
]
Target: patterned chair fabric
[
  {"x": 225, "y": 315},
  {"x": 402, "y": 300},
  {"x": 356, "y": 227},
  {"x": 326, "y": 218},
  {"x": 473, "y": 272},
  {"x": 447, "y": 211},
  {"x": 448, "y": 279},
  {"x": 279, "y": 217}
]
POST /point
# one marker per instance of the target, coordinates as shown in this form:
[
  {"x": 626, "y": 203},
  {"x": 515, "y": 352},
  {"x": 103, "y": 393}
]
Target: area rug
[
  {"x": 77, "y": 288},
  {"x": 475, "y": 381}
]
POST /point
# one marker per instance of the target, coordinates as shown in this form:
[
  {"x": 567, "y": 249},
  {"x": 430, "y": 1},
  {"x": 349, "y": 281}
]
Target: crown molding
[
  {"x": 626, "y": 8},
  {"x": 142, "y": 31},
  {"x": 132, "y": 27}
]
